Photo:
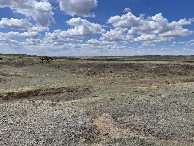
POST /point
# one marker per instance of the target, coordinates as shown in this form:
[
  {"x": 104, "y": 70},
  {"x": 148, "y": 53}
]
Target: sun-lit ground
[{"x": 96, "y": 101}]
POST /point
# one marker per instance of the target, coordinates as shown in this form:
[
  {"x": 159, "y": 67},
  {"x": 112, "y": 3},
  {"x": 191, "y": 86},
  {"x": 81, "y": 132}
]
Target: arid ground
[{"x": 97, "y": 101}]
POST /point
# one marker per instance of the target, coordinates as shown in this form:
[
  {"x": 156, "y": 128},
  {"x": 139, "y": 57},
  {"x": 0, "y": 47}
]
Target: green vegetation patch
[
  {"x": 189, "y": 61},
  {"x": 67, "y": 58},
  {"x": 20, "y": 55},
  {"x": 120, "y": 59}
]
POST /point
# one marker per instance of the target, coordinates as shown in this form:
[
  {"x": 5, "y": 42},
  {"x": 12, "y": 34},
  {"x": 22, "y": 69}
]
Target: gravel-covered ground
[
  {"x": 44, "y": 123},
  {"x": 77, "y": 102},
  {"x": 166, "y": 113}
]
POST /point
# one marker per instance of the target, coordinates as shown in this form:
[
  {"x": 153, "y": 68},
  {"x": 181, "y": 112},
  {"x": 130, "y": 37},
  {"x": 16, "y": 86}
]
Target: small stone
[
  {"x": 10, "y": 121},
  {"x": 105, "y": 134},
  {"x": 112, "y": 98}
]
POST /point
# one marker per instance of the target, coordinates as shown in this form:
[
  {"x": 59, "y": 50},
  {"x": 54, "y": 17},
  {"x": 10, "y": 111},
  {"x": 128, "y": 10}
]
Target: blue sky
[{"x": 97, "y": 27}]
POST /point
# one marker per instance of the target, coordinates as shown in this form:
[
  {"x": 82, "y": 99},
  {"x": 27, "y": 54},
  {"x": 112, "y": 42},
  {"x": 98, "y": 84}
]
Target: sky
[{"x": 97, "y": 27}]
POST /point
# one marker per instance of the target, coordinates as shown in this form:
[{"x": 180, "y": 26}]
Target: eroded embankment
[{"x": 53, "y": 94}]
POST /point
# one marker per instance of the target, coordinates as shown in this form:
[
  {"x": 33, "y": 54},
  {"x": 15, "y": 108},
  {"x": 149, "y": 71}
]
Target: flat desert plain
[{"x": 96, "y": 101}]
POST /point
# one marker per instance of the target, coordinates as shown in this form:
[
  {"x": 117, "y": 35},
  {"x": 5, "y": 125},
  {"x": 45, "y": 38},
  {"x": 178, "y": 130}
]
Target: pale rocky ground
[{"x": 81, "y": 102}]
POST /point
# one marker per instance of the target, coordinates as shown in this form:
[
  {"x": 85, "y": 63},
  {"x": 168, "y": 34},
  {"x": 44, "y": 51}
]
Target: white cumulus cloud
[
  {"x": 93, "y": 41},
  {"x": 117, "y": 34},
  {"x": 150, "y": 30},
  {"x": 40, "y": 11},
  {"x": 127, "y": 20},
  {"x": 8, "y": 39},
  {"x": 80, "y": 29},
  {"x": 78, "y": 7},
  {"x": 127, "y": 10},
  {"x": 17, "y": 34},
  {"x": 15, "y": 23}
]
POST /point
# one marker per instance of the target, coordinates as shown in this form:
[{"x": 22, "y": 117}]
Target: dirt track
[{"x": 88, "y": 103}]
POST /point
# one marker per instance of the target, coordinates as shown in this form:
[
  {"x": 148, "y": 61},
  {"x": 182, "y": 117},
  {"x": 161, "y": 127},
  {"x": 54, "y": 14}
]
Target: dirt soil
[{"x": 97, "y": 103}]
